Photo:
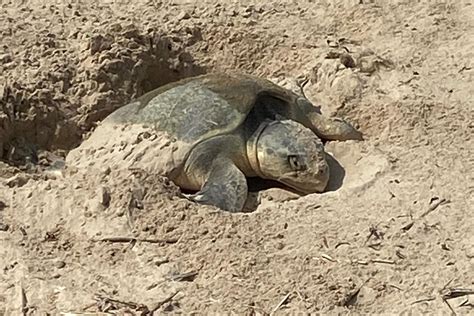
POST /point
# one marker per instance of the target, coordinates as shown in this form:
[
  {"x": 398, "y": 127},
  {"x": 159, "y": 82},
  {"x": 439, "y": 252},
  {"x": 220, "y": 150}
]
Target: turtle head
[{"x": 292, "y": 154}]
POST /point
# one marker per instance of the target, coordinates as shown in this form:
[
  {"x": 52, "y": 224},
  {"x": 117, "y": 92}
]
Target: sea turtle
[{"x": 225, "y": 127}]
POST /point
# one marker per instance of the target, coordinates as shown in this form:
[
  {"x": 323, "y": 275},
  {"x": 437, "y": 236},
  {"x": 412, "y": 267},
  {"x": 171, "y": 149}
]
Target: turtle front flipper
[
  {"x": 225, "y": 187},
  {"x": 328, "y": 128},
  {"x": 333, "y": 128}
]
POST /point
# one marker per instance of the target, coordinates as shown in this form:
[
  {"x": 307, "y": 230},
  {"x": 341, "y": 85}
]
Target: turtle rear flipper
[{"x": 225, "y": 187}]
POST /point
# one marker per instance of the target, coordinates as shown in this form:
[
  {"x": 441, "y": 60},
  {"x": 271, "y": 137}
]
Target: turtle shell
[
  {"x": 198, "y": 108},
  {"x": 182, "y": 113}
]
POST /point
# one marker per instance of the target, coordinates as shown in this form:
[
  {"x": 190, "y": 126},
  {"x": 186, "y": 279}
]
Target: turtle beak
[{"x": 311, "y": 180}]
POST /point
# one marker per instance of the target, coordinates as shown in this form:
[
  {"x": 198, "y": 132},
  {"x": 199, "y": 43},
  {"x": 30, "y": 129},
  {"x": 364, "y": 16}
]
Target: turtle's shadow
[
  {"x": 337, "y": 174},
  {"x": 255, "y": 185}
]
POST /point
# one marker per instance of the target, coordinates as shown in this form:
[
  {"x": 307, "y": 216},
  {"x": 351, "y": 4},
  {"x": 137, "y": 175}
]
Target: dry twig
[
  {"x": 432, "y": 298},
  {"x": 135, "y": 239},
  {"x": 339, "y": 244},
  {"x": 450, "y": 293},
  {"x": 280, "y": 304},
  {"x": 435, "y": 203},
  {"x": 106, "y": 304},
  {"x": 374, "y": 231},
  {"x": 328, "y": 258},
  {"x": 433, "y": 206},
  {"x": 396, "y": 287},
  {"x": 23, "y": 301},
  {"x": 362, "y": 262},
  {"x": 382, "y": 261},
  {"x": 408, "y": 226},
  {"x": 162, "y": 302},
  {"x": 187, "y": 276}
]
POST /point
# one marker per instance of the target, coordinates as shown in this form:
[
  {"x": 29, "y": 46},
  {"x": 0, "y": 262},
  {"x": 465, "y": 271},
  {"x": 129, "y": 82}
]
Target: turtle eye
[{"x": 296, "y": 163}]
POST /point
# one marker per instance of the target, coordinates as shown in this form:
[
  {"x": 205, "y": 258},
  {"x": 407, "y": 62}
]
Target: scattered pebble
[
  {"x": 60, "y": 264},
  {"x": 470, "y": 252},
  {"x": 104, "y": 196},
  {"x": 161, "y": 261},
  {"x": 4, "y": 227},
  {"x": 5, "y": 58},
  {"x": 279, "y": 245},
  {"x": 183, "y": 15},
  {"x": 246, "y": 14}
]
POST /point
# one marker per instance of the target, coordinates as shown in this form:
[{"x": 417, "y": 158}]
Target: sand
[{"x": 394, "y": 234}]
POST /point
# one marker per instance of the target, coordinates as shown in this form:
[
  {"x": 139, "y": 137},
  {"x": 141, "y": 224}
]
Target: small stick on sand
[
  {"x": 449, "y": 293},
  {"x": 325, "y": 242},
  {"x": 396, "y": 287},
  {"x": 408, "y": 226},
  {"x": 187, "y": 276},
  {"x": 466, "y": 303},
  {"x": 23, "y": 301},
  {"x": 162, "y": 302},
  {"x": 455, "y": 292},
  {"x": 130, "y": 239},
  {"x": 85, "y": 308},
  {"x": 283, "y": 301},
  {"x": 432, "y": 298},
  {"x": 103, "y": 299},
  {"x": 434, "y": 206},
  {"x": 339, "y": 244},
  {"x": 328, "y": 258},
  {"x": 402, "y": 82},
  {"x": 382, "y": 261},
  {"x": 400, "y": 255},
  {"x": 452, "y": 310},
  {"x": 435, "y": 202},
  {"x": 374, "y": 231}
]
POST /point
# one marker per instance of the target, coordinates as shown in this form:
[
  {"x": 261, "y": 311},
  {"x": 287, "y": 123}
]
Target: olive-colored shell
[{"x": 198, "y": 108}]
